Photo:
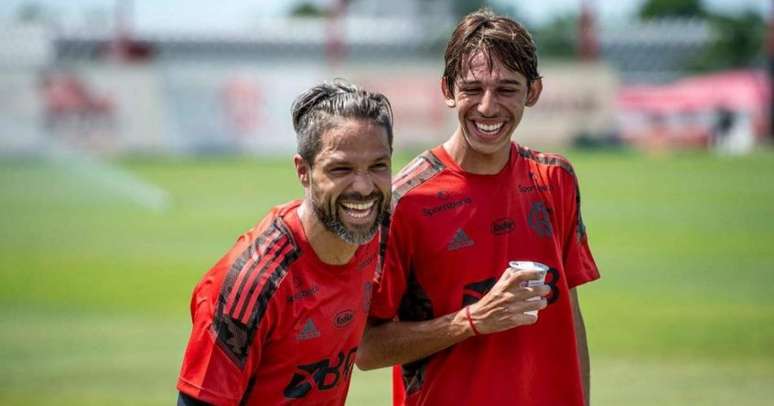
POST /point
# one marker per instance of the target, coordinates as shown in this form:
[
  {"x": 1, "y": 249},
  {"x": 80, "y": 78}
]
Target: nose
[
  {"x": 488, "y": 105},
  {"x": 363, "y": 184}
]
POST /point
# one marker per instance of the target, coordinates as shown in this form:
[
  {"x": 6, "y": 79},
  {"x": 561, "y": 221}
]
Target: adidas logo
[
  {"x": 460, "y": 240},
  {"x": 308, "y": 332}
]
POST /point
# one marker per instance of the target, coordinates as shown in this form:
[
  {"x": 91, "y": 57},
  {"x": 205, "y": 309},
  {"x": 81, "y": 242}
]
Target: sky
[{"x": 202, "y": 15}]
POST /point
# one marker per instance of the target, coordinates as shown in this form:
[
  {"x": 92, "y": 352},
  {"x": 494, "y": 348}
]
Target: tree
[
  {"x": 31, "y": 13},
  {"x": 461, "y": 8},
  {"x": 672, "y": 8},
  {"x": 738, "y": 41},
  {"x": 308, "y": 10},
  {"x": 557, "y": 38}
]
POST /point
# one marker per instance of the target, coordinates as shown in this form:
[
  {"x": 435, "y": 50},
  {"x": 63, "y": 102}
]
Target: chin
[{"x": 489, "y": 148}]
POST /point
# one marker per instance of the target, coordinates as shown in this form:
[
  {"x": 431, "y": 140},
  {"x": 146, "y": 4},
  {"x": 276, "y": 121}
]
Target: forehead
[
  {"x": 479, "y": 68},
  {"x": 352, "y": 140}
]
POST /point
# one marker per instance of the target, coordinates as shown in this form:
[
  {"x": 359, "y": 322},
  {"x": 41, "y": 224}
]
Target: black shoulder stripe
[
  {"x": 256, "y": 251},
  {"x": 235, "y": 332},
  {"x": 546, "y": 159},
  {"x": 280, "y": 246},
  {"x": 417, "y": 172}
]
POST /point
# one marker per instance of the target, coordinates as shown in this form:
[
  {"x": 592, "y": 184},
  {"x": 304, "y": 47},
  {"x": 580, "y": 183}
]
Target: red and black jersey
[
  {"x": 272, "y": 324},
  {"x": 451, "y": 236}
]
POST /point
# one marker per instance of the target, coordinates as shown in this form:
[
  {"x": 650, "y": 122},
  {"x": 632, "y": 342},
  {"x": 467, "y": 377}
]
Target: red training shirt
[
  {"x": 272, "y": 324},
  {"x": 451, "y": 236}
]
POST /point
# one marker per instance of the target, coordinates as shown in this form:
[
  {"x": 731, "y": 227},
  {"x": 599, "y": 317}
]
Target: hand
[{"x": 504, "y": 307}]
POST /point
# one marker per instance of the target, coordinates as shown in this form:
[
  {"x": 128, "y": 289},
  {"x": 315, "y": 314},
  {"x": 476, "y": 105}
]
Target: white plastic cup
[{"x": 541, "y": 269}]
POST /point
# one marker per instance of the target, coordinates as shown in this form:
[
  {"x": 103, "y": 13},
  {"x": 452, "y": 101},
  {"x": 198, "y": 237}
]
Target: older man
[{"x": 280, "y": 316}]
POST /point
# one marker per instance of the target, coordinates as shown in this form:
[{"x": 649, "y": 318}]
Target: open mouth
[
  {"x": 488, "y": 131},
  {"x": 358, "y": 212},
  {"x": 489, "y": 128}
]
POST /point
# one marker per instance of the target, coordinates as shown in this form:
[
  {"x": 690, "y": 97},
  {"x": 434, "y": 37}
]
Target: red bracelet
[{"x": 470, "y": 321}]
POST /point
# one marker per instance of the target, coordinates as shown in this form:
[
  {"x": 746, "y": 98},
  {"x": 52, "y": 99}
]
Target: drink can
[{"x": 542, "y": 270}]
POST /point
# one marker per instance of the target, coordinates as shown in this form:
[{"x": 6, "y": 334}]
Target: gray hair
[{"x": 315, "y": 111}]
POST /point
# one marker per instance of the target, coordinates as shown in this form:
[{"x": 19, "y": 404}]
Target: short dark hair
[
  {"x": 497, "y": 37},
  {"x": 317, "y": 110}
]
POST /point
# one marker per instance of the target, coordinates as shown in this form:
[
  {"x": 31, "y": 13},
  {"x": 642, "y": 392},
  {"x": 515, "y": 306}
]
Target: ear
[
  {"x": 447, "y": 94},
  {"x": 303, "y": 171},
  {"x": 534, "y": 92}
]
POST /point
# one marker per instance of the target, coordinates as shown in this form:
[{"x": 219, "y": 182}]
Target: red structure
[
  {"x": 686, "y": 112},
  {"x": 588, "y": 46},
  {"x": 335, "y": 44},
  {"x": 123, "y": 48}
]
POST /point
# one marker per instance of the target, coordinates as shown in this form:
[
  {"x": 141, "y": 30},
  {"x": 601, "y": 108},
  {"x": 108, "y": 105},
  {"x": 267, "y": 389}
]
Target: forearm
[
  {"x": 583, "y": 348},
  {"x": 502, "y": 308},
  {"x": 400, "y": 342}
]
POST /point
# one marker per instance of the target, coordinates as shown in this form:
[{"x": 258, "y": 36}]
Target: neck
[
  {"x": 475, "y": 162},
  {"x": 331, "y": 249}
]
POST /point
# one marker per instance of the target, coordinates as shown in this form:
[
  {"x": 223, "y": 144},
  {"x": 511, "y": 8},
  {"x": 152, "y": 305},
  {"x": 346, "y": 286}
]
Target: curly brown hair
[{"x": 497, "y": 37}]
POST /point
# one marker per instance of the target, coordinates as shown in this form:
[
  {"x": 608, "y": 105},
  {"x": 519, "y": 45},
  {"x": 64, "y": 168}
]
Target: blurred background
[{"x": 139, "y": 138}]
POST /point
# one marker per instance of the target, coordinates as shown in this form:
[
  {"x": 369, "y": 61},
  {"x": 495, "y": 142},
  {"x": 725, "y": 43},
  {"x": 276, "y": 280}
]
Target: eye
[
  {"x": 508, "y": 91},
  {"x": 380, "y": 167},
  {"x": 471, "y": 90},
  {"x": 339, "y": 170}
]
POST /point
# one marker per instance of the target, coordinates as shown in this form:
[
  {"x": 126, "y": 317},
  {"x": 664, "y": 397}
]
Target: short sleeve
[
  {"x": 579, "y": 264},
  {"x": 211, "y": 372},
  {"x": 390, "y": 281}
]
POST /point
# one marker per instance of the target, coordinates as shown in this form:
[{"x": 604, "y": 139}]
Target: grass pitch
[{"x": 94, "y": 287}]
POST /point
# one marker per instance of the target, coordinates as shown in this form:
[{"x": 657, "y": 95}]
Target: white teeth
[
  {"x": 358, "y": 206},
  {"x": 489, "y": 128},
  {"x": 358, "y": 215}
]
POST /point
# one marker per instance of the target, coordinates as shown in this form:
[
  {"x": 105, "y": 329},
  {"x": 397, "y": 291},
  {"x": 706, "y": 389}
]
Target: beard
[{"x": 327, "y": 213}]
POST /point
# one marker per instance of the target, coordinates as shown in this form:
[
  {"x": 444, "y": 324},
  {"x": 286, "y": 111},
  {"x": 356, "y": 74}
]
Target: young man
[
  {"x": 279, "y": 318},
  {"x": 447, "y": 309}
]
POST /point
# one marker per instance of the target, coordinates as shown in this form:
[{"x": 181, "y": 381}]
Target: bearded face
[
  {"x": 349, "y": 186},
  {"x": 337, "y": 212}
]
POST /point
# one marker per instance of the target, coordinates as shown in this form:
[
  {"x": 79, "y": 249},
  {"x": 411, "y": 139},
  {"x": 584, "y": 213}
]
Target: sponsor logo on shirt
[
  {"x": 459, "y": 241},
  {"x": 533, "y": 188},
  {"x": 502, "y": 226},
  {"x": 343, "y": 318},
  {"x": 366, "y": 262},
  {"x": 308, "y": 332},
  {"x": 473, "y": 292},
  {"x": 539, "y": 219},
  {"x": 448, "y": 205},
  {"x": 324, "y": 374},
  {"x": 304, "y": 294}
]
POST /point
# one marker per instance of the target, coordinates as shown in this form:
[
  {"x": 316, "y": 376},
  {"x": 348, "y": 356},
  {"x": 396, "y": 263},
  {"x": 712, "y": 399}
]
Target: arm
[
  {"x": 400, "y": 342},
  {"x": 583, "y": 349}
]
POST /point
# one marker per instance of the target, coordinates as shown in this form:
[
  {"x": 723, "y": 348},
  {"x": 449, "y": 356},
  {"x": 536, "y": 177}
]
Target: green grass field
[{"x": 94, "y": 288}]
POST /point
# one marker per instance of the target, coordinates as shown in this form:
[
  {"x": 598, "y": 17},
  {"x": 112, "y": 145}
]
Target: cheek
[
  {"x": 323, "y": 188},
  {"x": 383, "y": 182}
]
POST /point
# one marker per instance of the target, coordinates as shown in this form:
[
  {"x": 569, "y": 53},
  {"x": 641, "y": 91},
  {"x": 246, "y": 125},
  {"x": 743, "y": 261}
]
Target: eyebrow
[
  {"x": 499, "y": 82},
  {"x": 337, "y": 161}
]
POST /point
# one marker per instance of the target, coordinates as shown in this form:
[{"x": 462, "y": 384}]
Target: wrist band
[{"x": 470, "y": 321}]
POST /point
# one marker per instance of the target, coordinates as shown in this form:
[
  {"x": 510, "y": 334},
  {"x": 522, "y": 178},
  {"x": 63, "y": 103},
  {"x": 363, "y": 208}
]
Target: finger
[
  {"x": 521, "y": 290},
  {"x": 535, "y": 305},
  {"x": 527, "y": 275},
  {"x": 541, "y": 290},
  {"x": 527, "y": 319},
  {"x": 525, "y": 293}
]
